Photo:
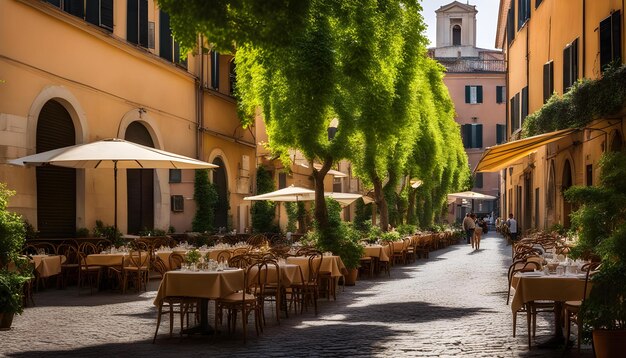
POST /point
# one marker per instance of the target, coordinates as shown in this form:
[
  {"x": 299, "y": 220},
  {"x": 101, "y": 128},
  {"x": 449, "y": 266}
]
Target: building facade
[
  {"x": 475, "y": 78},
  {"x": 548, "y": 46},
  {"x": 84, "y": 71}
]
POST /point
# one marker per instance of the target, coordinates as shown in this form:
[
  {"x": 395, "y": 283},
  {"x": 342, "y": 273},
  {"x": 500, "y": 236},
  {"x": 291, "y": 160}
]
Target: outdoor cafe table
[
  {"x": 48, "y": 265},
  {"x": 213, "y": 253},
  {"x": 204, "y": 285},
  {"x": 532, "y": 286},
  {"x": 379, "y": 251},
  {"x": 116, "y": 259},
  {"x": 332, "y": 264}
]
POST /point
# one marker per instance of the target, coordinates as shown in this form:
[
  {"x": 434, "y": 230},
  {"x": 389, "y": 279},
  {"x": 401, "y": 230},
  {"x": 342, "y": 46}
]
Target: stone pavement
[{"x": 450, "y": 305}]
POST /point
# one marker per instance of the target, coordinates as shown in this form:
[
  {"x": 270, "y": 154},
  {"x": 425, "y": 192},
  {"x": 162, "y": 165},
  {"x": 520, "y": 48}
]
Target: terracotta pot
[
  {"x": 350, "y": 278},
  {"x": 6, "y": 319},
  {"x": 609, "y": 343}
]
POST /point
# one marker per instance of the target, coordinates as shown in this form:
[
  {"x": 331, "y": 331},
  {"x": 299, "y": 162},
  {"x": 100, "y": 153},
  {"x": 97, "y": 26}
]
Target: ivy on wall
[{"x": 586, "y": 101}]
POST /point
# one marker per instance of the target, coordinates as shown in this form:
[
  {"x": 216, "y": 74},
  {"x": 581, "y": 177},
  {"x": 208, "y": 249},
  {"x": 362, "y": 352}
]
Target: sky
[{"x": 486, "y": 20}]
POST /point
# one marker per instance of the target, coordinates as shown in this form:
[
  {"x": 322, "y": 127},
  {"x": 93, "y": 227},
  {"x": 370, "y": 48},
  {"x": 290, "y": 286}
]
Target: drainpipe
[
  {"x": 199, "y": 107},
  {"x": 583, "y": 38}
]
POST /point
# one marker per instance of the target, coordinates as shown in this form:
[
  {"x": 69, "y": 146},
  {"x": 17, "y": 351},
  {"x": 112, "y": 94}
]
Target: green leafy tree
[
  {"x": 601, "y": 226},
  {"x": 206, "y": 198},
  {"x": 264, "y": 212},
  {"x": 307, "y": 64}
]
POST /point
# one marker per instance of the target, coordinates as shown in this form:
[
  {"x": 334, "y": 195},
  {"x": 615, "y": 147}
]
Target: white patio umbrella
[
  {"x": 112, "y": 153},
  {"x": 294, "y": 193},
  {"x": 471, "y": 195},
  {"x": 290, "y": 193}
]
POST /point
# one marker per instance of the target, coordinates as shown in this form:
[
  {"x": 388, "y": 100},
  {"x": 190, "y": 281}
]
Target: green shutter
[
  {"x": 467, "y": 94},
  {"x": 143, "y": 23},
  {"x": 132, "y": 21},
  {"x": 165, "y": 36},
  {"x": 498, "y": 94},
  {"x": 479, "y": 94},
  {"x": 466, "y": 134},
  {"x": 479, "y": 135}
]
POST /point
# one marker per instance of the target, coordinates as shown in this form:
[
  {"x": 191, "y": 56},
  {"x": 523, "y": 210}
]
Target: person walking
[
  {"x": 511, "y": 223},
  {"x": 478, "y": 232},
  {"x": 469, "y": 225}
]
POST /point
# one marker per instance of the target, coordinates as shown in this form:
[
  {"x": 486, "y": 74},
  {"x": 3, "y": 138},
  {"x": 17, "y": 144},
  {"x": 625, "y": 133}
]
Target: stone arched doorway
[
  {"x": 221, "y": 185},
  {"x": 139, "y": 185},
  {"x": 566, "y": 183},
  {"x": 56, "y": 186}
]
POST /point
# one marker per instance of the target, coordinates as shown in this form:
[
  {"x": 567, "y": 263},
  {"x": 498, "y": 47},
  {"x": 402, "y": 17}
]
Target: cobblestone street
[{"x": 450, "y": 305}]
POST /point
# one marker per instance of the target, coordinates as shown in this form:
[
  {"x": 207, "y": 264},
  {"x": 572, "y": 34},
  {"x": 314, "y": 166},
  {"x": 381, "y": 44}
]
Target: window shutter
[
  {"x": 499, "y": 94},
  {"x": 165, "y": 36},
  {"x": 516, "y": 120},
  {"x": 605, "y": 43},
  {"x": 92, "y": 12},
  {"x": 215, "y": 70},
  {"x": 467, "y": 94},
  {"x": 176, "y": 52},
  {"x": 546, "y": 82},
  {"x": 56, "y": 3},
  {"x": 74, "y": 7},
  {"x": 510, "y": 25},
  {"x": 106, "y": 14},
  {"x": 616, "y": 27},
  {"x": 478, "y": 180},
  {"x": 132, "y": 21},
  {"x": 479, "y": 135},
  {"x": 479, "y": 94},
  {"x": 512, "y": 114},
  {"x": 499, "y": 133},
  {"x": 466, "y": 134},
  {"x": 143, "y": 23},
  {"x": 566, "y": 68},
  {"x": 524, "y": 104},
  {"x": 574, "y": 65}
]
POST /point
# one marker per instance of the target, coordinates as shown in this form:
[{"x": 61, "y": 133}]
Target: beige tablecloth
[
  {"x": 380, "y": 251},
  {"x": 289, "y": 274},
  {"x": 213, "y": 253},
  {"x": 48, "y": 265},
  {"x": 550, "y": 288},
  {"x": 110, "y": 259},
  {"x": 332, "y": 264},
  {"x": 211, "y": 285}
]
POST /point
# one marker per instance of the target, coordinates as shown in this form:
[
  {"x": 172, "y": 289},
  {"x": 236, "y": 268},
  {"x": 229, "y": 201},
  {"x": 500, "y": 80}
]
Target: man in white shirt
[{"x": 512, "y": 225}]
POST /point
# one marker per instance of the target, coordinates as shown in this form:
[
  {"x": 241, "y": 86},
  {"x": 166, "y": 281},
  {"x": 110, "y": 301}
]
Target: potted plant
[
  {"x": 14, "y": 270},
  {"x": 341, "y": 239},
  {"x": 601, "y": 227}
]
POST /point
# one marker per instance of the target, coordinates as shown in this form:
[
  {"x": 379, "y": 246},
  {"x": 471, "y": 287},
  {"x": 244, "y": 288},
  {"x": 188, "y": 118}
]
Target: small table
[
  {"x": 204, "y": 285},
  {"x": 558, "y": 288}
]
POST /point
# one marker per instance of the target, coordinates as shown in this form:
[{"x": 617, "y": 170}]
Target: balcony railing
[{"x": 473, "y": 65}]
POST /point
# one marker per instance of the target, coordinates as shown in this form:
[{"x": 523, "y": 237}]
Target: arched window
[
  {"x": 566, "y": 183},
  {"x": 551, "y": 190},
  {"x": 456, "y": 35}
]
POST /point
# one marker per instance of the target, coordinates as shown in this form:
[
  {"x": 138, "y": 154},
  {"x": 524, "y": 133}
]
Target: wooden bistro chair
[
  {"x": 246, "y": 301},
  {"x": 308, "y": 288},
  {"x": 138, "y": 267},
  {"x": 572, "y": 308},
  {"x": 183, "y": 306}
]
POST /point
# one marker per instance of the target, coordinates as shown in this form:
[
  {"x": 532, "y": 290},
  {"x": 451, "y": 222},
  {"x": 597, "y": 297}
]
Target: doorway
[
  {"x": 139, "y": 185},
  {"x": 56, "y": 186},
  {"x": 221, "y": 186}
]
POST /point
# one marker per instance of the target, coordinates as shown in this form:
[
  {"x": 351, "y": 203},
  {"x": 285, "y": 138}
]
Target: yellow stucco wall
[
  {"x": 551, "y": 27},
  {"x": 103, "y": 82}
]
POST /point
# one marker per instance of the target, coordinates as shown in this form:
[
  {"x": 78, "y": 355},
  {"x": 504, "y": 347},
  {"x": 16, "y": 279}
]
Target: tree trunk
[
  {"x": 381, "y": 203},
  {"x": 410, "y": 212},
  {"x": 321, "y": 212}
]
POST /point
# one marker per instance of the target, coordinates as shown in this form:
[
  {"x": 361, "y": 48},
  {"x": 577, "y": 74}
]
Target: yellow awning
[{"x": 501, "y": 156}]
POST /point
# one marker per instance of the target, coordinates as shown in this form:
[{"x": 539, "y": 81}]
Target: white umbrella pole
[{"x": 115, "y": 194}]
